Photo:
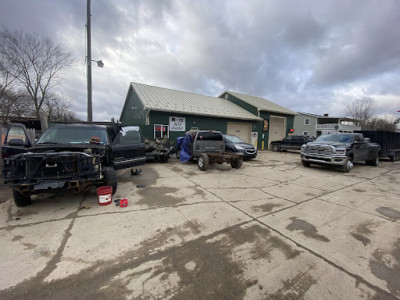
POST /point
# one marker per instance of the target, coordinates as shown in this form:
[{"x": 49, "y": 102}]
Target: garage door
[
  {"x": 242, "y": 130},
  {"x": 276, "y": 129}
]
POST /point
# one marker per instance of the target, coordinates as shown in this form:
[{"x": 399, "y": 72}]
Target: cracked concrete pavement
[{"x": 270, "y": 230}]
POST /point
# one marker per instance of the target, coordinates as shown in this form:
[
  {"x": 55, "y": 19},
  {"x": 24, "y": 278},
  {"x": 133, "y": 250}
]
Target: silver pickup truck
[{"x": 340, "y": 150}]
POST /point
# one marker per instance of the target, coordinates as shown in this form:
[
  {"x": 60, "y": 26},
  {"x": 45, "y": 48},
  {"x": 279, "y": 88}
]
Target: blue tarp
[{"x": 187, "y": 144}]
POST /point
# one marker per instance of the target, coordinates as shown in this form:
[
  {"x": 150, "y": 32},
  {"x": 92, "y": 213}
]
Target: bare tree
[
  {"x": 32, "y": 62},
  {"x": 58, "y": 108},
  {"x": 385, "y": 122},
  {"x": 15, "y": 104},
  {"x": 361, "y": 109}
]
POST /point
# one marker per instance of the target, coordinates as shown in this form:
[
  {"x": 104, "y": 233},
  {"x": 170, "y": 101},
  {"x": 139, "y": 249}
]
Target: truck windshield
[
  {"x": 73, "y": 135},
  {"x": 337, "y": 138}
]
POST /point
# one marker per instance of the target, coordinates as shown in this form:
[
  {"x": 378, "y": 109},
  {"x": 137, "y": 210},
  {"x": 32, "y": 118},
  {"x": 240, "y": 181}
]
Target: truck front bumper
[{"x": 337, "y": 160}]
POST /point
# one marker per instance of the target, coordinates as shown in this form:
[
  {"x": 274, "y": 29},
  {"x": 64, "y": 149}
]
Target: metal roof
[
  {"x": 261, "y": 103},
  {"x": 163, "y": 99}
]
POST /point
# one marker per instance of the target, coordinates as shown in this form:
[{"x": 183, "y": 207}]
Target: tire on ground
[
  {"x": 21, "y": 200},
  {"x": 373, "y": 162},
  {"x": 347, "y": 165},
  {"x": 203, "y": 162},
  {"x": 110, "y": 178},
  {"x": 306, "y": 163},
  {"x": 236, "y": 163}
]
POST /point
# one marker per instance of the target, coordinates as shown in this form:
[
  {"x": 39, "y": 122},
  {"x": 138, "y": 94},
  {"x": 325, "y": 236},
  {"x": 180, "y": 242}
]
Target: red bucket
[{"x": 104, "y": 194}]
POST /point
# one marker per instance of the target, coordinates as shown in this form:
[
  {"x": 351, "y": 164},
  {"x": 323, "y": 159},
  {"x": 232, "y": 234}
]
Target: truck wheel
[
  {"x": 110, "y": 178},
  {"x": 21, "y": 200},
  {"x": 373, "y": 162},
  {"x": 347, "y": 165},
  {"x": 275, "y": 148},
  {"x": 164, "y": 159},
  {"x": 203, "y": 162},
  {"x": 236, "y": 163},
  {"x": 306, "y": 163}
]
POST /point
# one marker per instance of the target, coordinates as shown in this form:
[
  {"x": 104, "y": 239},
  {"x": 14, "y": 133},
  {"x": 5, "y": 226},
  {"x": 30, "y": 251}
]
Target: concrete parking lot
[{"x": 270, "y": 230}]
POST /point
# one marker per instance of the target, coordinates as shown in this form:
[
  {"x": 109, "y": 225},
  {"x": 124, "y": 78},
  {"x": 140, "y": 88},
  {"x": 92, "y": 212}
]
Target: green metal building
[
  {"x": 162, "y": 112},
  {"x": 276, "y": 121}
]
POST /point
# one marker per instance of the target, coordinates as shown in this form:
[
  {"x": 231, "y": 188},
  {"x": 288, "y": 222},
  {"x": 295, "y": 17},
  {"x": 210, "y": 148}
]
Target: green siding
[
  {"x": 162, "y": 118},
  {"x": 204, "y": 123},
  {"x": 267, "y": 115},
  {"x": 133, "y": 112},
  {"x": 241, "y": 103}
]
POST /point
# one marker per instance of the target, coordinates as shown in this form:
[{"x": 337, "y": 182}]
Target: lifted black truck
[{"x": 69, "y": 157}]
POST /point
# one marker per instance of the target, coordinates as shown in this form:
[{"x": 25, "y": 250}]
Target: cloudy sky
[{"x": 309, "y": 56}]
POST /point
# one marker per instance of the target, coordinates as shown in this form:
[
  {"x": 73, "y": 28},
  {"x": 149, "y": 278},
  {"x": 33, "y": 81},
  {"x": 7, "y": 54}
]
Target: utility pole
[{"x": 89, "y": 65}]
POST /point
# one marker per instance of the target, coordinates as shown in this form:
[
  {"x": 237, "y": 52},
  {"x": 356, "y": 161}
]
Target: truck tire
[
  {"x": 275, "y": 148},
  {"x": 347, "y": 165},
  {"x": 21, "y": 200},
  {"x": 236, "y": 163},
  {"x": 164, "y": 159},
  {"x": 306, "y": 163},
  {"x": 373, "y": 162},
  {"x": 110, "y": 178},
  {"x": 203, "y": 162}
]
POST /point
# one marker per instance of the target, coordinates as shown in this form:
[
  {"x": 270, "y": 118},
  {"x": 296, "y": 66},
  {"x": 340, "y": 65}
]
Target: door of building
[
  {"x": 277, "y": 129},
  {"x": 242, "y": 130}
]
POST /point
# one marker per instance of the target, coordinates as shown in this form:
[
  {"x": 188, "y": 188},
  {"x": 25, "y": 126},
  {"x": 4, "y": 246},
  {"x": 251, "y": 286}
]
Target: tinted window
[
  {"x": 129, "y": 137},
  {"x": 287, "y": 139},
  {"x": 298, "y": 139},
  {"x": 73, "y": 135},
  {"x": 209, "y": 136}
]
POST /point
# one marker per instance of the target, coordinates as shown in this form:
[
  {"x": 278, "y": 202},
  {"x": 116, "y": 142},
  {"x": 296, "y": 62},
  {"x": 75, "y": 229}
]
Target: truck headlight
[
  {"x": 239, "y": 147},
  {"x": 303, "y": 147}
]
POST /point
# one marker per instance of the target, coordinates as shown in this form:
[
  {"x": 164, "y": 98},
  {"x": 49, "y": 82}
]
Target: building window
[
  {"x": 305, "y": 133},
  {"x": 161, "y": 131},
  {"x": 306, "y": 121}
]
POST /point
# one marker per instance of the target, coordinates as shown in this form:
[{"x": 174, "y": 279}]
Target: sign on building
[{"x": 177, "y": 124}]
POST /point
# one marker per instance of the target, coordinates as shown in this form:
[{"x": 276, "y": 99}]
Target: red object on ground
[
  {"x": 104, "y": 194},
  {"x": 123, "y": 203}
]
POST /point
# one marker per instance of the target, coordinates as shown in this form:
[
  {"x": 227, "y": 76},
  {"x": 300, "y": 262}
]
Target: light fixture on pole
[{"x": 100, "y": 63}]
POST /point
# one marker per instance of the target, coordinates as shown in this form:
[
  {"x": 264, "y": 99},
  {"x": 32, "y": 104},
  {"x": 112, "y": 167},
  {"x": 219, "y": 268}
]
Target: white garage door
[
  {"x": 277, "y": 126},
  {"x": 242, "y": 130}
]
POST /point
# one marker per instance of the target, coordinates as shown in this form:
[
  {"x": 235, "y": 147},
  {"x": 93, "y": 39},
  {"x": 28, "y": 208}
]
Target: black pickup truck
[
  {"x": 340, "y": 150},
  {"x": 72, "y": 157},
  {"x": 293, "y": 142}
]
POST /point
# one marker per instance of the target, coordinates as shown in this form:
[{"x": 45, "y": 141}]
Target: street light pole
[{"x": 89, "y": 65}]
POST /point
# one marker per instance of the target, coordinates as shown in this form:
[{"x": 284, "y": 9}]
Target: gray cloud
[{"x": 306, "y": 55}]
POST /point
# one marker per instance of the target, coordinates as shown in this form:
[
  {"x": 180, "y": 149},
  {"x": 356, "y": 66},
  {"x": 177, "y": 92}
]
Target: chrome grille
[{"x": 319, "y": 150}]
